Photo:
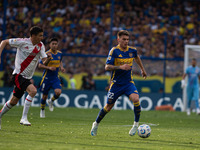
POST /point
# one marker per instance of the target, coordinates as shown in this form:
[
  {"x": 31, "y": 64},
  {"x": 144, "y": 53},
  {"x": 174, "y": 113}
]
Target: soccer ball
[{"x": 144, "y": 131}]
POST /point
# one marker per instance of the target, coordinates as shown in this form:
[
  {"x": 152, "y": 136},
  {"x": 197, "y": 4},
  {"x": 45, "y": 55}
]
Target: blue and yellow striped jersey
[
  {"x": 119, "y": 57},
  {"x": 54, "y": 62}
]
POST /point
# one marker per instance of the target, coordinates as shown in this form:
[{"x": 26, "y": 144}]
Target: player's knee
[
  {"x": 33, "y": 92},
  {"x": 44, "y": 97},
  {"x": 57, "y": 93}
]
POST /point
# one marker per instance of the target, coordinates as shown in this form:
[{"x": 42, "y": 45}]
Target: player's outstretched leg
[
  {"x": 42, "y": 111},
  {"x": 94, "y": 128},
  {"x": 95, "y": 124},
  {"x": 50, "y": 103},
  {"x": 24, "y": 120},
  {"x": 7, "y": 106},
  {"x": 137, "y": 110}
]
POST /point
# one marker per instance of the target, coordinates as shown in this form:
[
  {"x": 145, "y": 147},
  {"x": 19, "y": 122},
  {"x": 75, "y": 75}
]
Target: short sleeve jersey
[
  {"x": 193, "y": 75},
  {"x": 119, "y": 57},
  {"x": 27, "y": 56},
  {"x": 54, "y": 62}
]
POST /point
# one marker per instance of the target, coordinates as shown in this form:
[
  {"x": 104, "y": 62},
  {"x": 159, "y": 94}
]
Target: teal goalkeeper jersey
[
  {"x": 119, "y": 57},
  {"x": 193, "y": 76}
]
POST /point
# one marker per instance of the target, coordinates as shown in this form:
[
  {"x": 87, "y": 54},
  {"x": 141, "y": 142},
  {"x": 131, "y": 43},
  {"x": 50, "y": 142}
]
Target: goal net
[{"x": 191, "y": 51}]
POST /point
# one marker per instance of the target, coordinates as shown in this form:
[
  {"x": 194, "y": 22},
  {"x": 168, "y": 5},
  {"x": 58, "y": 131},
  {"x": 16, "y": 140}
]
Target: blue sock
[
  {"x": 137, "y": 110},
  {"x": 42, "y": 104},
  {"x": 101, "y": 115},
  {"x": 54, "y": 97}
]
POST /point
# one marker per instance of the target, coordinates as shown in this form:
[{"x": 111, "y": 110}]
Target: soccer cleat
[
  {"x": 25, "y": 122},
  {"x": 133, "y": 130},
  {"x": 198, "y": 111},
  {"x": 94, "y": 128},
  {"x": 50, "y": 103},
  {"x": 188, "y": 112},
  {"x": 42, "y": 113}
]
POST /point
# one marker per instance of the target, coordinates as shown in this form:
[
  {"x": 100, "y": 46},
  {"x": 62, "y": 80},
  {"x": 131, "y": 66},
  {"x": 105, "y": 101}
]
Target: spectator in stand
[{"x": 84, "y": 26}]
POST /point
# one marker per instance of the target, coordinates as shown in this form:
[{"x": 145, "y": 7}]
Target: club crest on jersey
[
  {"x": 58, "y": 57},
  {"x": 131, "y": 54},
  {"x": 38, "y": 48}
]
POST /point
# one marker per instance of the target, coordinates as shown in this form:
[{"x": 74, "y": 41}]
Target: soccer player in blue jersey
[
  {"x": 50, "y": 77},
  {"x": 120, "y": 62},
  {"x": 193, "y": 73}
]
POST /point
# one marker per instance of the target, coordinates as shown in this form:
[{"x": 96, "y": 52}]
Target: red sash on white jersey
[{"x": 27, "y": 61}]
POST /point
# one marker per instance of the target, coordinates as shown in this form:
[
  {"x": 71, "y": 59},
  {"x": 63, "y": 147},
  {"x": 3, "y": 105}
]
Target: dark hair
[
  {"x": 35, "y": 30},
  {"x": 122, "y": 32},
  {"x": 53, "y": 39},
  {"x": 194, "y": 59}
]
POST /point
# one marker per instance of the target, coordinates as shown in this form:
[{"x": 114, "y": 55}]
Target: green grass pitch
[{"x": 69, "y": 129}]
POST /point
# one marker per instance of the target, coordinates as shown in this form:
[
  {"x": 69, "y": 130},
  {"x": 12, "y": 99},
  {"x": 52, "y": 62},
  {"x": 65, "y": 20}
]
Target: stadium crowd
[{"x": 83, "y": 27}]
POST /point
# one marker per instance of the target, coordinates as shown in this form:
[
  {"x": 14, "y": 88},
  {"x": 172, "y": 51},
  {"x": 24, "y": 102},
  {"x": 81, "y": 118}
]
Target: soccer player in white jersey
[
  {"x": 29, "y": 51},
  {"x": 193, "y": 73}
]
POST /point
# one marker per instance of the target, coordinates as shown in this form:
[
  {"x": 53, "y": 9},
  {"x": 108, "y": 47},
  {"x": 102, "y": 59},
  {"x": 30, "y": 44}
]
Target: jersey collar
[
  {"x": 122, "y": 49},
  {"x": 53, "y": 52}
]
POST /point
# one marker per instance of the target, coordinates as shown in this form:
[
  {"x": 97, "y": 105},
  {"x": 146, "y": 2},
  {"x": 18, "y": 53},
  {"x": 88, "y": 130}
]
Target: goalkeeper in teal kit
[
  {"x": 193, "y": 73},
  {"x": 120, "y": 62}
]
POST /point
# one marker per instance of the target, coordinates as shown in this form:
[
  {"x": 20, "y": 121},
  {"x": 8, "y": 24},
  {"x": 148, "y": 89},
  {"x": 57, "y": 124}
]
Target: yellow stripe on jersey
[
  {"x": 111, "y": 51},
  {"x": 132, "y": 47},
  {"x": 111, "y": 85},
  {"x": 113, "y": 75},
  {"x": 43, "y": 77},
  {"x": 54, "y": 63},
  {"x": 121, "y": 61}
]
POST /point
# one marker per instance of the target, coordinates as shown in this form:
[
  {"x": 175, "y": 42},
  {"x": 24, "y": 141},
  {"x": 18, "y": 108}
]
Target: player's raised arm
[
  {"x": 139, "y": 62},
  {"x": 2, "y": 46},
  {"x": 42, "y": 66},
  {"x": 47, "y": 59}
]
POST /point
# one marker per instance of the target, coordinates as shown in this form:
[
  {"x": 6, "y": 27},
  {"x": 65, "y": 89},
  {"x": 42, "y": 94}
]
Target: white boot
[
  {"x": 188, "y": 112},
  {"x": 94, "y": 128},
  {"x": 42, "y": 113},
  {"x": 198, "y": 111}
]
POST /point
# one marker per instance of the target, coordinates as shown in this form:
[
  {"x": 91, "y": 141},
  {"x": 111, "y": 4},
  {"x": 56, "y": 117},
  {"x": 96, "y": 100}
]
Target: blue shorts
[
  {"x": 48, "y": 84},
  {"x": 193, "y": 93},
  {"x": 117, "y": 90}
]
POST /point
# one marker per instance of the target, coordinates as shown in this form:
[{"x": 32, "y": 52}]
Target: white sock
[
  {"x": 27, "y": 105},
  {"x": 7, "y": 106},
  {"x": 136, "y": 123}
]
